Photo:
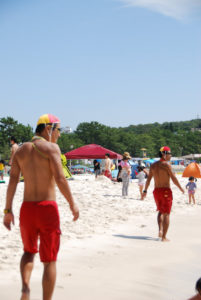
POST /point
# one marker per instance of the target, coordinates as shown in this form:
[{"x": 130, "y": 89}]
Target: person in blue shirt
[{"x": 191, "y": 187}]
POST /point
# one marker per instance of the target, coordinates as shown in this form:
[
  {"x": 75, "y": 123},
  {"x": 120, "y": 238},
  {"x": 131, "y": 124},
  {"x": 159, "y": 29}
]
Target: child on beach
[
  {"x": 2, "y": 164},
  {"x": 191, "y": 187},
  {"x": 141, "y": 179}
]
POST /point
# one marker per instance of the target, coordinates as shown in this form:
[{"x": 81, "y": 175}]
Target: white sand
[{"x": 112, "y": 252}]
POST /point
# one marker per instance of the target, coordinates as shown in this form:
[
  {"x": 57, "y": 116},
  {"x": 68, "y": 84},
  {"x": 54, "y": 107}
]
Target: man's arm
[
  {"x": 174, "y": 178},
  {"x": 11, "y": 156},
  {"x": 62, "y": 183},
  {"x": 14, "y": 179},
  {"x": 150, "y": 175}
]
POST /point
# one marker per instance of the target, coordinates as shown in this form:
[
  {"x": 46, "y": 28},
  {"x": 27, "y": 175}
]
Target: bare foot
[
  {"x": 25, "y": 295},
  {"x": 165, "y": 239},
  {"x": 160, "y": 234}
]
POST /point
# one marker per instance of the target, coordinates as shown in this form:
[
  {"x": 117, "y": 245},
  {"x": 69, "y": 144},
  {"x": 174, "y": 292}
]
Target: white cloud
[{"x": 178, "y": 9}]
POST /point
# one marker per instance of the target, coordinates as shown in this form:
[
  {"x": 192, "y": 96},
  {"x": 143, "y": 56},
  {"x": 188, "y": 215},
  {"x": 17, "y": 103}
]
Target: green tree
[
  {"x": 10, "y": 127},
  {"x": 68, "y": 142}
]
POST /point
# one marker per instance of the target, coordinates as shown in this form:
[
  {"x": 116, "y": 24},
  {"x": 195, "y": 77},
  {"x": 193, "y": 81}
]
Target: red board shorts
[
  {"x": 163, "y": 199},
  {"x": 107, "y": 173},
  {"x": 40, "y": 219}
]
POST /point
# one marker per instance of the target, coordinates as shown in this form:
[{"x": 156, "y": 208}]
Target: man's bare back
[
  {"x": 40, "y": 163},
  {"x": 39, "y": 172}
]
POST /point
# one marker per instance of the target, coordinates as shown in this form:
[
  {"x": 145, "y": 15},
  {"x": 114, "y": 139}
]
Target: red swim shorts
[
  {"x": 40, "y": 220},
  {"x": 107, "y": 173},
  {"x": 163, "y": 199}
]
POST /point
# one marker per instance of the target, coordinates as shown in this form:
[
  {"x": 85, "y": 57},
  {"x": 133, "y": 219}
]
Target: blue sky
[{"x": 117, "y": 62}]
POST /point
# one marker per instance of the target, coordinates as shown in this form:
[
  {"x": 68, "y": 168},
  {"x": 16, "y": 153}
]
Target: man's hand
[
  {"x": 182, "y": 190},
  {"x": 75, "y": 212},
  {"x": 8, "y": 219}
]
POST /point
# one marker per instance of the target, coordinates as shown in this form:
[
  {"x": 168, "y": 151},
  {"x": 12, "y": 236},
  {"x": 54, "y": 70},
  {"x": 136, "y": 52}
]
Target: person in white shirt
[{"x": 141, "y": 179}]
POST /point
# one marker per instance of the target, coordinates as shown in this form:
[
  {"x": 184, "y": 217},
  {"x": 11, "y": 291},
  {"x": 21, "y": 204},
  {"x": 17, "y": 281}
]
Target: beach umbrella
[{"x": 193, "y": 169}]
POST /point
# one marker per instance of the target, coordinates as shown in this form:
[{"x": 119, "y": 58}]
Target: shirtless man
[
  {"x": 108, "y": 165},
  {"x": 40, "y": 163},
  {"x": 162, "y": 172},
  {"x": 14, "y": 148}
]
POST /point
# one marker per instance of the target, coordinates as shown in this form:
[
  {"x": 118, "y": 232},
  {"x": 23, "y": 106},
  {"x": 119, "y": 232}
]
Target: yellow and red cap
[
  {"x": 48, "y": 119},
  {"x": 165, "y": 149}
]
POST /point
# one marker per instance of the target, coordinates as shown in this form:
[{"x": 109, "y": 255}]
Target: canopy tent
[
  {"x": 193, "y": 169},
  {"x": 91, "y": 151},
  {"x": 191, "y": 156}
]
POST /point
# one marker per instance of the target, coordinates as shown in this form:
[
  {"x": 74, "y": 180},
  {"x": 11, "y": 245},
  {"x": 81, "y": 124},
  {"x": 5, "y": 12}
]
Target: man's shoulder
[
  {"x": 52, "y": 148},
  {"x": 160, "y": 165},
  {"x": 22, "y": 148},
  {"x": 155, "y": 164}
]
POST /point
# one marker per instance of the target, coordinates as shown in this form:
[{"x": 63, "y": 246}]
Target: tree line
[{"x": 182, "y": 137}]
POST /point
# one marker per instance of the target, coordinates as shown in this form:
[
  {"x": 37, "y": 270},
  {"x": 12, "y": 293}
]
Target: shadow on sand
[{"x": 146, "y": 238}]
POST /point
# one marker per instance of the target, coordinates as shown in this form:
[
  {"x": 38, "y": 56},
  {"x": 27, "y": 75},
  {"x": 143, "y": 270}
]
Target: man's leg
[
  {"x": 49, "y": 279},
  {"x": 26, "y": 267},
  {"x": 166, "y": 222},
  {"x": 160, "y": 224}
]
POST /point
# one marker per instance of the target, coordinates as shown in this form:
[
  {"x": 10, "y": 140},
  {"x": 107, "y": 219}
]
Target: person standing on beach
[
  {"x": 96, "y": 168},
  {"x": 40, "y": 163},
  {"x": 162, "y": 172},
  {"x": 119, "y": 179},
  {"x": 125, "y": 173},
  {"x": 14, "y": 147},
  {"x": 108, "y": 165},
  {"x": 2, "y": 166},
  {"x": 191, "y": 187},
  {"x": 142, "y": 174}
]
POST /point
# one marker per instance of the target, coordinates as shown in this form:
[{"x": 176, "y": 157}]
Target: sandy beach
[{"x": 112, "y": 252}]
